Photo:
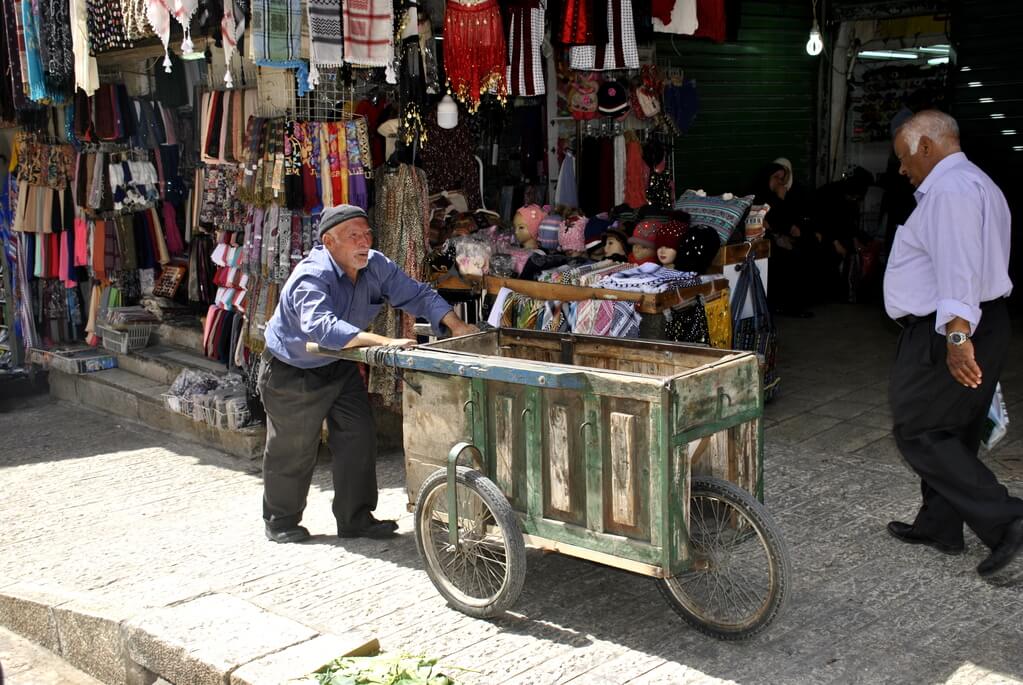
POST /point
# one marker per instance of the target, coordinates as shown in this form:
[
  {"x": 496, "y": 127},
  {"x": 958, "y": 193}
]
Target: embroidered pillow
[{"x": 722, "y": 213}]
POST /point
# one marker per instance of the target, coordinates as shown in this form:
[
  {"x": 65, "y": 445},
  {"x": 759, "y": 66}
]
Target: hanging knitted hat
[
  {"x": 158, "y": 15},
  {"x": 573, "y": 235},
  {"x": 612, "y": 98},
  {"x": 698, "y": 249},
  {"x": 550, "y": 231}
]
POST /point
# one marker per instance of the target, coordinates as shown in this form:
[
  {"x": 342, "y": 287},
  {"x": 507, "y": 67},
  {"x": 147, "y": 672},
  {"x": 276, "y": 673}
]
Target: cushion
[{"x": 721, "y": 214}]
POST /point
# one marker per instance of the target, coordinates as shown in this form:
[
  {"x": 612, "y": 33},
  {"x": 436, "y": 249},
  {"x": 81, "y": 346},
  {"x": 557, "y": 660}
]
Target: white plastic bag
[{"x": 997, "y": 423}]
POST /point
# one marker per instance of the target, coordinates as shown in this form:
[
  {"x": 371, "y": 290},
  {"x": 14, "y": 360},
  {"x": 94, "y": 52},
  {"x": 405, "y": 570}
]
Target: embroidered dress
[
  {"x": 474, "y": 51},
  {"x": 620, "y": 51},
  {"x": 525, "y": 60}
]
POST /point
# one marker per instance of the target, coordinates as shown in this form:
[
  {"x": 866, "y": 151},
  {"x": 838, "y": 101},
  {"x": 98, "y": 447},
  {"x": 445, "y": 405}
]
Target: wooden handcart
[{"x": 645, "y": 456}]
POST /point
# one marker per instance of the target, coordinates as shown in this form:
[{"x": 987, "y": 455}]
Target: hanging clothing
[
  {"x": 525, "y": 38},
  {"x": 326, "y": 37},
  {"x": 637, "y": 175},
  {"x": 474, "y": 51},
  {"x": 583, "y": 22},
  {"x": 368, "y": 32},
  {"x": 620, "y": 51},
  {"x": 683, "y": 19},
  {"x": 567, "y": 191},
  {"x": 711, "y": 16},
  {"x": 619, "y": 169},
  {"x": 449, "y": 161}
]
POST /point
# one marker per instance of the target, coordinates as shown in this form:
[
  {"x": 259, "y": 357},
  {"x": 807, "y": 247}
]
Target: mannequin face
[
  {"x": 614, "y": 246},
  {"x": 666, "y": 256},
  {"x": 522, "y": 233},
  {"x": 642, "y": 252}
]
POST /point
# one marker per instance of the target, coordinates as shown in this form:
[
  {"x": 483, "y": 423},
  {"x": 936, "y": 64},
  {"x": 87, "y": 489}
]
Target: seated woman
[{"x": 791, "y": 251}]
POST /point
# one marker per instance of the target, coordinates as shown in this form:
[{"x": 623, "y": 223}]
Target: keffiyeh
[{"x": 326, "y": 44}]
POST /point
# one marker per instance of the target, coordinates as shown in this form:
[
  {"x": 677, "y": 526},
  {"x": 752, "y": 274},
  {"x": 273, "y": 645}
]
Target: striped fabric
[
  {"x": 525, "y": 62},
  {"x": 723, "y": 215},
  {"x": 620, "y": 51},
  {"x": 369, "y": 32},
  {"x": 276, "y": 30}
]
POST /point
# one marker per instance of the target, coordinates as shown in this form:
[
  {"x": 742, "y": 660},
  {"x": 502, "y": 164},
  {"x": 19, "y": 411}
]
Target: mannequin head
[
  {"x": 615, "y": 242},
  {"x": 669, "y": 238},
  {"x": 527, "y": 225},
  {"x": 644, "y": 242}
]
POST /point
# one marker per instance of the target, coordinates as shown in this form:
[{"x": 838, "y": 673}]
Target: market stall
[{"x": 171, "y": 167}]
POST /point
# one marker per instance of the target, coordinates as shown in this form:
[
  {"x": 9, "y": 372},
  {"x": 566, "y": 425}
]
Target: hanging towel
[
  {"x": 369, "y": 32},
  {"x": 326, "y": 42}
]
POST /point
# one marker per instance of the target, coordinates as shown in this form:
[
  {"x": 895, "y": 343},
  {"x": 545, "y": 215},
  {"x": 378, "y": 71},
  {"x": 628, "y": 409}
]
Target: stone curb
[{"x": 210, "y": 639}]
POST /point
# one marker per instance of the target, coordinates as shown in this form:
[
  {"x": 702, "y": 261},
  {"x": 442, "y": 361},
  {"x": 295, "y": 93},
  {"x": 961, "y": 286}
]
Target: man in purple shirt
[
  {"x": 946, "y": 284},
  {"x": 331, "y": 297}
]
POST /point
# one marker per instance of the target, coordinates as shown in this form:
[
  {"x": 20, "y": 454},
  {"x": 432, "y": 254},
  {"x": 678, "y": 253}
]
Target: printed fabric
[
  {"x": 368, "y": 32},
  {"x": 525, "y": 61}
]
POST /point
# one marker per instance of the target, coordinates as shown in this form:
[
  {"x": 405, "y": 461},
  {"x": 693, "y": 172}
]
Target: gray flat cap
[{"x": 332, "y": 216}]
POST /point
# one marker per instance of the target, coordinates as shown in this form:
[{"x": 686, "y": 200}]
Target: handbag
[
  {"x": 689, "y": 324},
  {"x": 755, "y": 333}
]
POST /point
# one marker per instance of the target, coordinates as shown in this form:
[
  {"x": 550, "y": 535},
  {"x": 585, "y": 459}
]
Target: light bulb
[{"x": 814, "y": 45}]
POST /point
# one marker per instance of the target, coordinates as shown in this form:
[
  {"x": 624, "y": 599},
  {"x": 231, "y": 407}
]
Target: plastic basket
[
  {"x": 233, "y": 417},
  {"x": 135, "y": 337},
  {"x": 178, "y": 404}
]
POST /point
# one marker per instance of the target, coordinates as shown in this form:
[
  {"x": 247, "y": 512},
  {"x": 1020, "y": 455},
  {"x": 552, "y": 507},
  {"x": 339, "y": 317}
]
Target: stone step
[
  {"x": 163, "y": 363},
  {"x": 139, "y": 398},
  {"x": 180, "y": 335}
]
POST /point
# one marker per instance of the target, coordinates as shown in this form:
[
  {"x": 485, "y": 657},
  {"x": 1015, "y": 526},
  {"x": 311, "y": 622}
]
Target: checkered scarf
[
  {"x": 326, "y": 43},
  {"x": 276, "y": 30}
]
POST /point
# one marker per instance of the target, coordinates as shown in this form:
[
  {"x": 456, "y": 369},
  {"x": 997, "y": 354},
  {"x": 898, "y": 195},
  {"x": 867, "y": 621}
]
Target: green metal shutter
[{"x": 757, "y": 98}]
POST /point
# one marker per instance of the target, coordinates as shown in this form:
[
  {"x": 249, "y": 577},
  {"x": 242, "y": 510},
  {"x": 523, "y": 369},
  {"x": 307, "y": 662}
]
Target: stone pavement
[{"x": 126, "y": 522}]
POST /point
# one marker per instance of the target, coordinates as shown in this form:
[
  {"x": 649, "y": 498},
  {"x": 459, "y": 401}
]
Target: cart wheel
[
  {"x": 740, "y": 569},
  {"x": 484, "y": 575}
]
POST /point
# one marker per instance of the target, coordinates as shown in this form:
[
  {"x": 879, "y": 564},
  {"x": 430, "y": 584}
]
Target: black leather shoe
[
  {"x": 372, "y": 529},
  {"x": 1006, "y": 550},
  {"x": 296, "y": 534},
  {"x": 904, "y": 532}
]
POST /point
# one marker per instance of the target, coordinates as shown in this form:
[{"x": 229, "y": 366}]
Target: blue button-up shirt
[
  {"x": 320, "y": 304},
  {"x": 952, "y": 254}
]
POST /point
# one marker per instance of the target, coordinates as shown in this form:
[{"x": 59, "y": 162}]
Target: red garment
[
  {"x": 175, "y": 245},
  {"x": 375, "y": 115},
  {"x": 711, "y": 15},
  {"x": 637, "y": 175},
  {"x": 475, "y": 53},
  {"x": 577, "y": 24},
  {"x": 661, "y": 9}
]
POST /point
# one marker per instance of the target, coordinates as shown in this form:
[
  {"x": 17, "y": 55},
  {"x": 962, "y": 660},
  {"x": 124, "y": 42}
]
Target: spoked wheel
[
  {"x": 740, "y": 570},
  {"x": 484, "y": 574}
]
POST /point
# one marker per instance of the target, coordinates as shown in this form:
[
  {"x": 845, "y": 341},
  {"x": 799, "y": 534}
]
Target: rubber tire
[
  {"x": 514, "y": 546},
  {"x": 777, "y": 552}
]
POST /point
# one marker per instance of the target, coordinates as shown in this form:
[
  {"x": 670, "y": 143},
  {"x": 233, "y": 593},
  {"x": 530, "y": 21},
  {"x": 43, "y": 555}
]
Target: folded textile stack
[
  {"x": 650, "y": 278},
  {"x": 585, "y": 275}
]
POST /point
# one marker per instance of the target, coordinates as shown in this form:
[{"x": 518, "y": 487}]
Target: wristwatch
[{"x": 957, "y": 338}]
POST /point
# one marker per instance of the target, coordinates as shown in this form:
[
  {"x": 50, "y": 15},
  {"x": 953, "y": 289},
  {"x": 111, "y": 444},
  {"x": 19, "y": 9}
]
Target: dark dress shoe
[
  {"x": 295, "y": 534},
  {"x": 904, "y": 532},
  {"x": 372, "y": 528},
  {"x": 1006, "y": 550}
]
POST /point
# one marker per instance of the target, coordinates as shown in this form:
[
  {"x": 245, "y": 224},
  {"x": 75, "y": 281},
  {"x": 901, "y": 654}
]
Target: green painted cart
[{"x": 641, "y": 455}]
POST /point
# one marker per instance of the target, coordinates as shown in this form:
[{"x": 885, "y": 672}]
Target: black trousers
[
  {"x": 296, "y": 402},
  {"x": 938, "y": 425}
]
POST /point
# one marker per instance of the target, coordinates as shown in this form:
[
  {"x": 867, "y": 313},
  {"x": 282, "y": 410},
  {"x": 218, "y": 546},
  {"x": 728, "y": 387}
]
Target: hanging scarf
[
  {"x": 183, "y": 11},
  {"x": 369, "y": 32},
  {"x": 326, "y": 44},
  {"x": 276, "y": 34},
  {"x": 474, "y": 51},
  {"x": 232, "y": 28},
  {"x": 159, "y": 16}
]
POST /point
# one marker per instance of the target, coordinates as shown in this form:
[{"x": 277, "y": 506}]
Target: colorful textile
[
  {"x": 722, "y": 213},
  {"x": 276, "y": 30},
  {"x": 649, "y": 278}
]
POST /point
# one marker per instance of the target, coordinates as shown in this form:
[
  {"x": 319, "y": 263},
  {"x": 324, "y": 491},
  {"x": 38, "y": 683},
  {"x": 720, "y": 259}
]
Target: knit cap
[
  {"x": 531, "y": 215},
  {"x": 645, "y": 233},
  {"x": 572, "y": 237},
  {"x": 332, "y": 216},
  {"x": 550, "y": 231},
  {"x": 595, "y": 229},
  {"x": 672, "y": 231},
  {"x": 697, "y": 250}
]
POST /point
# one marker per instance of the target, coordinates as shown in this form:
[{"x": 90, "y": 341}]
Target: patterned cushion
[{"x": 720, "y": 214}]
